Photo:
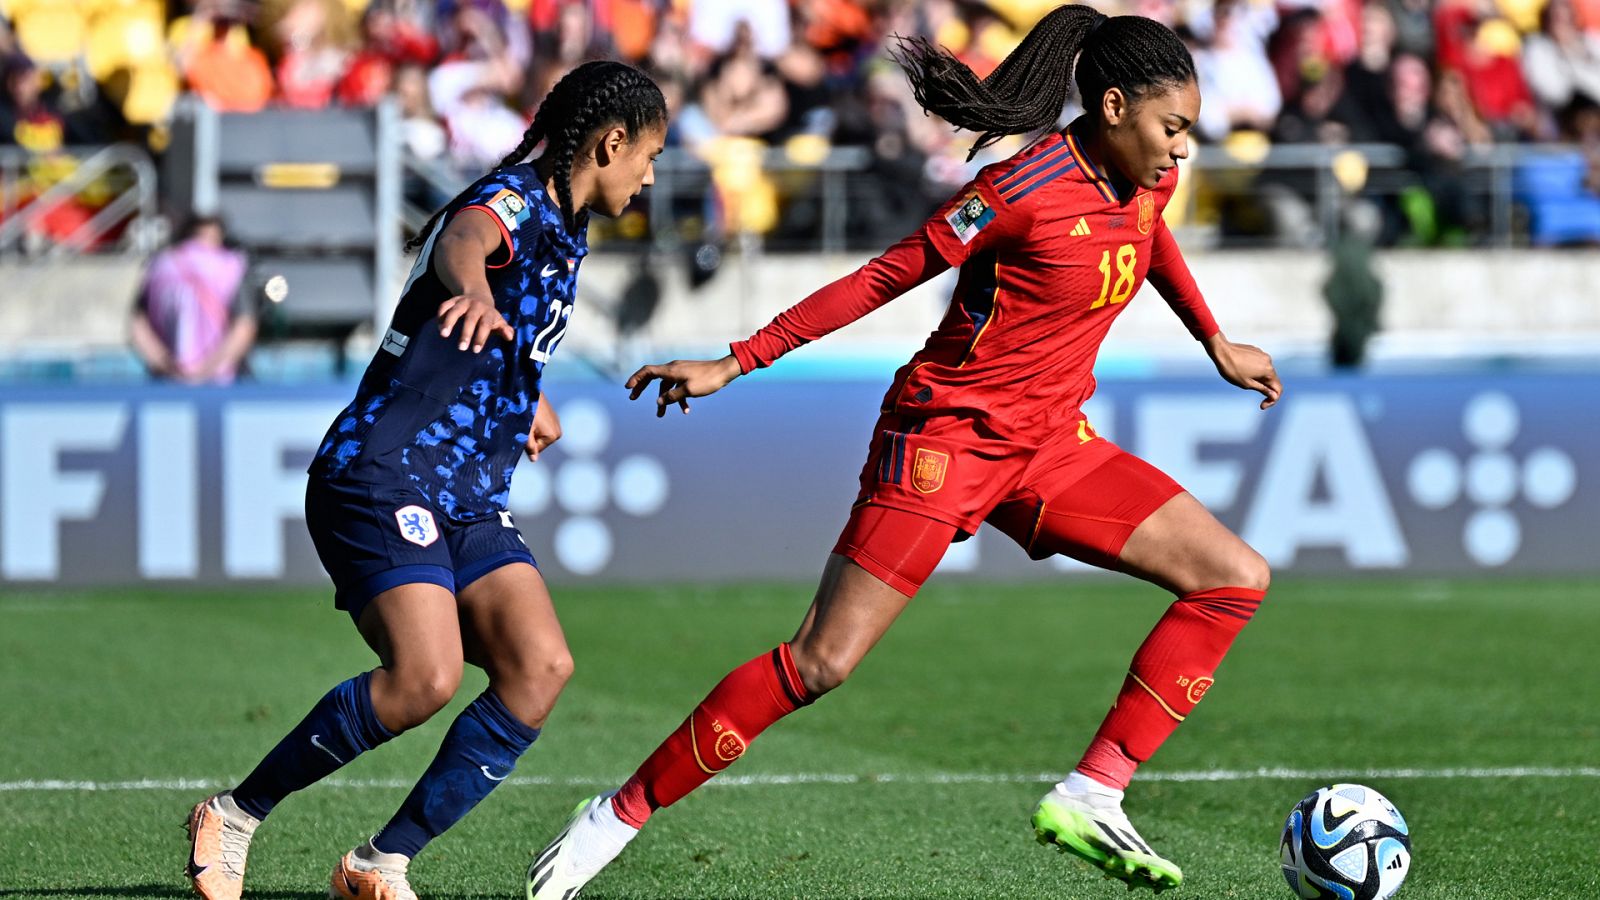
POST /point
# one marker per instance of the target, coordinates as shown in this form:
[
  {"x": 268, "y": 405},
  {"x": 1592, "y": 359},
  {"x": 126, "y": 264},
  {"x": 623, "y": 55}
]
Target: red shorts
[{"x": 929, "y": 480}]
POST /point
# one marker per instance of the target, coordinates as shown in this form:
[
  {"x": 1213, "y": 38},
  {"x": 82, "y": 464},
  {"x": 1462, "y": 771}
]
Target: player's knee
[
  {"x": 821, "y": 671},
  {"x": 427, "y": 688},
  {"x": 554, "y": 673},
  {"x": 1251, "y": 570}
]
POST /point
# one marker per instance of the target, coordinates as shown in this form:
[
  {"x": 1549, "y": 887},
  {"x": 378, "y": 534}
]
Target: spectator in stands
[
  {"x": 313, "y": 36},
  {"x": 1367, "y": 102},
  {"x": 470, "y": 89},
  {"x": 1413, "y": 26},
  {"x": 389, "y": 41},
  {"x": 742, "y": 95},
  {"x": 804, "y": 71},
  {"x": 1475, "y": 41},
  {"x": 1308, "y": 117},
  {"x": 1453, "y": 129},
  {"x": 218, "y": 61},
  {"x": 31, "y": 118},
  {"x": 27, "y": 117},
  {"x": 425, "y": 138},
  {"x": 191, "y": 321},
  {"x": 1237, "y": 80},
  {"x": 1561, "y": 62},
  {"x": 715, "y": 25}
]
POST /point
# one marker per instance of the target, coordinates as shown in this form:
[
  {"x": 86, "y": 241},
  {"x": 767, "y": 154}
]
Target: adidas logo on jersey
[{"x": 1082, "y": 228}]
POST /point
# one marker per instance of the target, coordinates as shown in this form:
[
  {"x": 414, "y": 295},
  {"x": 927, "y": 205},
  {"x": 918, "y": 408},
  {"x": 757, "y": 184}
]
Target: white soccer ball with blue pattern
[{"x": 1345, "y": 842}]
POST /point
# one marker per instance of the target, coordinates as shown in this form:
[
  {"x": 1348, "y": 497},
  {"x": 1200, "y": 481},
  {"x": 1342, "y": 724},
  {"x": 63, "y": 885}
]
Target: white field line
[{"x": 779, "y": 779}]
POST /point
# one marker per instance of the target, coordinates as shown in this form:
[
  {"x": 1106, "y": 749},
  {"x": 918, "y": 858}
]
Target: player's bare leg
[
  {"x": 510, "y": 631},
  {"x": 1219, "y": 581},
  {"x": 1183, "y": 548},
  {"x": 850, "y": 613},
  {"x": 413, "y": 630},
  {"x": 508, "y": 628}
]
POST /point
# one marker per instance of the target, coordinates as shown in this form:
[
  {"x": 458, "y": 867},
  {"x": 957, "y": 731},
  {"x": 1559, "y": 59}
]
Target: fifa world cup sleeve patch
[
  {"x": 970, "y": 216},
  {"x": 510, "y": 208}
]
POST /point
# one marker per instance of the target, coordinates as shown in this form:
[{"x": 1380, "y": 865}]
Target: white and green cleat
[
  {"x": 1092, "y": 827},
  {"x": 590, "y": 840}
]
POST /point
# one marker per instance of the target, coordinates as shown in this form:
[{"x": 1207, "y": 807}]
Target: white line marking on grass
[{"x": 780, "y": 779}]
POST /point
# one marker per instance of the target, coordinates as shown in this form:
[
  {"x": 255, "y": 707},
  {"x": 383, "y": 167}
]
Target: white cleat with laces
[
  {"x": 1090, "y": 824},
  {"x": 591, "y": 839}
]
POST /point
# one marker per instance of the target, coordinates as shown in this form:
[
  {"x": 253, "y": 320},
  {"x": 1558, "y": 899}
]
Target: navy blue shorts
[{"x": 375, "y": 537}]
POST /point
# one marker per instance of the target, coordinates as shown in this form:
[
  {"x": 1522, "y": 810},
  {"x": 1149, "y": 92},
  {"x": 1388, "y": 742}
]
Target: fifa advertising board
[{"x": 1426, "y": 474}]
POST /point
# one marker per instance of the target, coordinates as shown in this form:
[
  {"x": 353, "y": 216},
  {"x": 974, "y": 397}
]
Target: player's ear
[
  {"x": 610, "y": 145},
  {"x": 1114, "y": 106}
]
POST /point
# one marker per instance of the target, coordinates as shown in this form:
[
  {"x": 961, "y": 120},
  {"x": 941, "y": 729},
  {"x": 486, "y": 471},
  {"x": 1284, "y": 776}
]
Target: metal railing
[
  {"x": 124, "y": 170},
  {"x": 830, "y": 185},
  {"x": 1308, "y": 172}
]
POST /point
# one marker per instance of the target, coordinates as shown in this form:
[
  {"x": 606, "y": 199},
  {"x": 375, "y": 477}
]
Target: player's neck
[
  {"x": 579, "y": 185},
  {"x": 1092, "y": 141}
]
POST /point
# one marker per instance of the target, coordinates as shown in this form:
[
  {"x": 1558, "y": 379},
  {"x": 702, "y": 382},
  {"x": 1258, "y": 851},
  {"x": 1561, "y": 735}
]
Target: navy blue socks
[
  {"x": 339, "y": 728},
  {"x": 478, "y": 753}
]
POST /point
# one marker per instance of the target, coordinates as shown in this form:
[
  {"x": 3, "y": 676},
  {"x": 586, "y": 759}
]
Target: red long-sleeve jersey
[{"x": 1049, "y": 254}]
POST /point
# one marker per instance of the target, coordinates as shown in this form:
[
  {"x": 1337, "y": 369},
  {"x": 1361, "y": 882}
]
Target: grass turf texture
[{"x": 1333, "y": 678}]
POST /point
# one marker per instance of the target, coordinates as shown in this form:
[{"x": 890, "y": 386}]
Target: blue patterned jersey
[{"x": 452, "y": 423}]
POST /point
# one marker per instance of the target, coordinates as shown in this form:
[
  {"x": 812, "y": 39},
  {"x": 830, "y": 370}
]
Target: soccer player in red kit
[{"x": 984, "y": 425}]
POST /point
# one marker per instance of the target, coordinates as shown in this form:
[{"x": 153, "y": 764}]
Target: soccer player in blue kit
[{"x": 406, "y": 503}]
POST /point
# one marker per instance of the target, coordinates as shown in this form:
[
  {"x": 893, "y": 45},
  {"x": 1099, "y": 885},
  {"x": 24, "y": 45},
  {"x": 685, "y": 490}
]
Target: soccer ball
[{"x": 1345, "y": 842}]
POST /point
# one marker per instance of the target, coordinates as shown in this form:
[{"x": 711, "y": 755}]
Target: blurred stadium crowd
[{"x": 1438, "y": 79}]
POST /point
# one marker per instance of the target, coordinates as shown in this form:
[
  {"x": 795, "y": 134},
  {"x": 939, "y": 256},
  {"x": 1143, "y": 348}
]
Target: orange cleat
[
  {"x": 219, "y": 840},
  {"x": 366, "y": 874}
]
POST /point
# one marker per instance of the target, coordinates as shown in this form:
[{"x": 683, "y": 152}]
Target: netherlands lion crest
[{"x": 416, "y": 525}]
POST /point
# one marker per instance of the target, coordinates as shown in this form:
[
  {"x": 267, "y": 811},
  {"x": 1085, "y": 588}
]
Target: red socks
[
  {"x": 741, "y": 706},
  {"x": 1171, "y": 671}
]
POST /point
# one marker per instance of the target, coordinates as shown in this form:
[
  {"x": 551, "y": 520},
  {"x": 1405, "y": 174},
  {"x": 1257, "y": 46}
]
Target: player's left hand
[
  {"x": 475, "y": 312},
  {"x": 1245, "y": 366},
  {"x": 682, "y": 379},
  {"x": 546, "y": 429}
]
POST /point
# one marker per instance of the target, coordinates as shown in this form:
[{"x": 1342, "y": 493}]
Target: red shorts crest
[{"x": 928, "y": 470}]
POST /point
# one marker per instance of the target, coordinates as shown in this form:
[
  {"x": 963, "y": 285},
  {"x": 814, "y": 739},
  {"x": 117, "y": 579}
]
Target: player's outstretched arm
[
  {"x": 461, "y": 258},
  {"x": 682, "y": 379},
  {"x": 1245, "y": 366}
]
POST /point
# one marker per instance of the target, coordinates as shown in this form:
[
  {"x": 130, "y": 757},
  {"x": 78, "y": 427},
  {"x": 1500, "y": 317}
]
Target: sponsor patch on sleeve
[
  {"x": 509, "y": 206},
  {"x": 969, "y": 217}
]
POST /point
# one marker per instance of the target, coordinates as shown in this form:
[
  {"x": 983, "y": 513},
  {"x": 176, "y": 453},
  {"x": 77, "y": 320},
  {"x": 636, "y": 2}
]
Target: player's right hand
[
  {"x": 682, "y": 379},
  {"x": 478, "y": 318}
]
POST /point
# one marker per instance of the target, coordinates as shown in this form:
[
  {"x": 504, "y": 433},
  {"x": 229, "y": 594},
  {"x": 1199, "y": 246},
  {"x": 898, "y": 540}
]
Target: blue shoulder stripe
[
  {"x": 1043, "y": 179},
  {"x": 1021, "y": 172}
]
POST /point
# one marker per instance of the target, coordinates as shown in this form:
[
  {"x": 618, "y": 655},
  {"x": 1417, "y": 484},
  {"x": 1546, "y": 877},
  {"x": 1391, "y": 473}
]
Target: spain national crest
[
  {"x": 928, "y": 470},
  {"x": 1147, "y": 212}
]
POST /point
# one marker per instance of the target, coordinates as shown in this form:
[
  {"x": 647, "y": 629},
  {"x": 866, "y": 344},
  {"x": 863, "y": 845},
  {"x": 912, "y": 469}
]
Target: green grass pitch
[{"x": 1474, "y": 705}]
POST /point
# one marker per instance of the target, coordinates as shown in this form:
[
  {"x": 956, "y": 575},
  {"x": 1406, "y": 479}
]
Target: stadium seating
[{"x": 1560, "y": 209}]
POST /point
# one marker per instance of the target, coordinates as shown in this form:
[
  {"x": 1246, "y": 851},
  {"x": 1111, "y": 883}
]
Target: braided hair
[
  {"x": 1028, "y": 90},
  {"x": 592, "y": 97}
]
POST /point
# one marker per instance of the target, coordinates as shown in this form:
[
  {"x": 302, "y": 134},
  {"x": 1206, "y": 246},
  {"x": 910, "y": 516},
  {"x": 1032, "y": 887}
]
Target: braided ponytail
[
  {"x": 1028, "y": 90},
  {"x": 588, "y": 99}
]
